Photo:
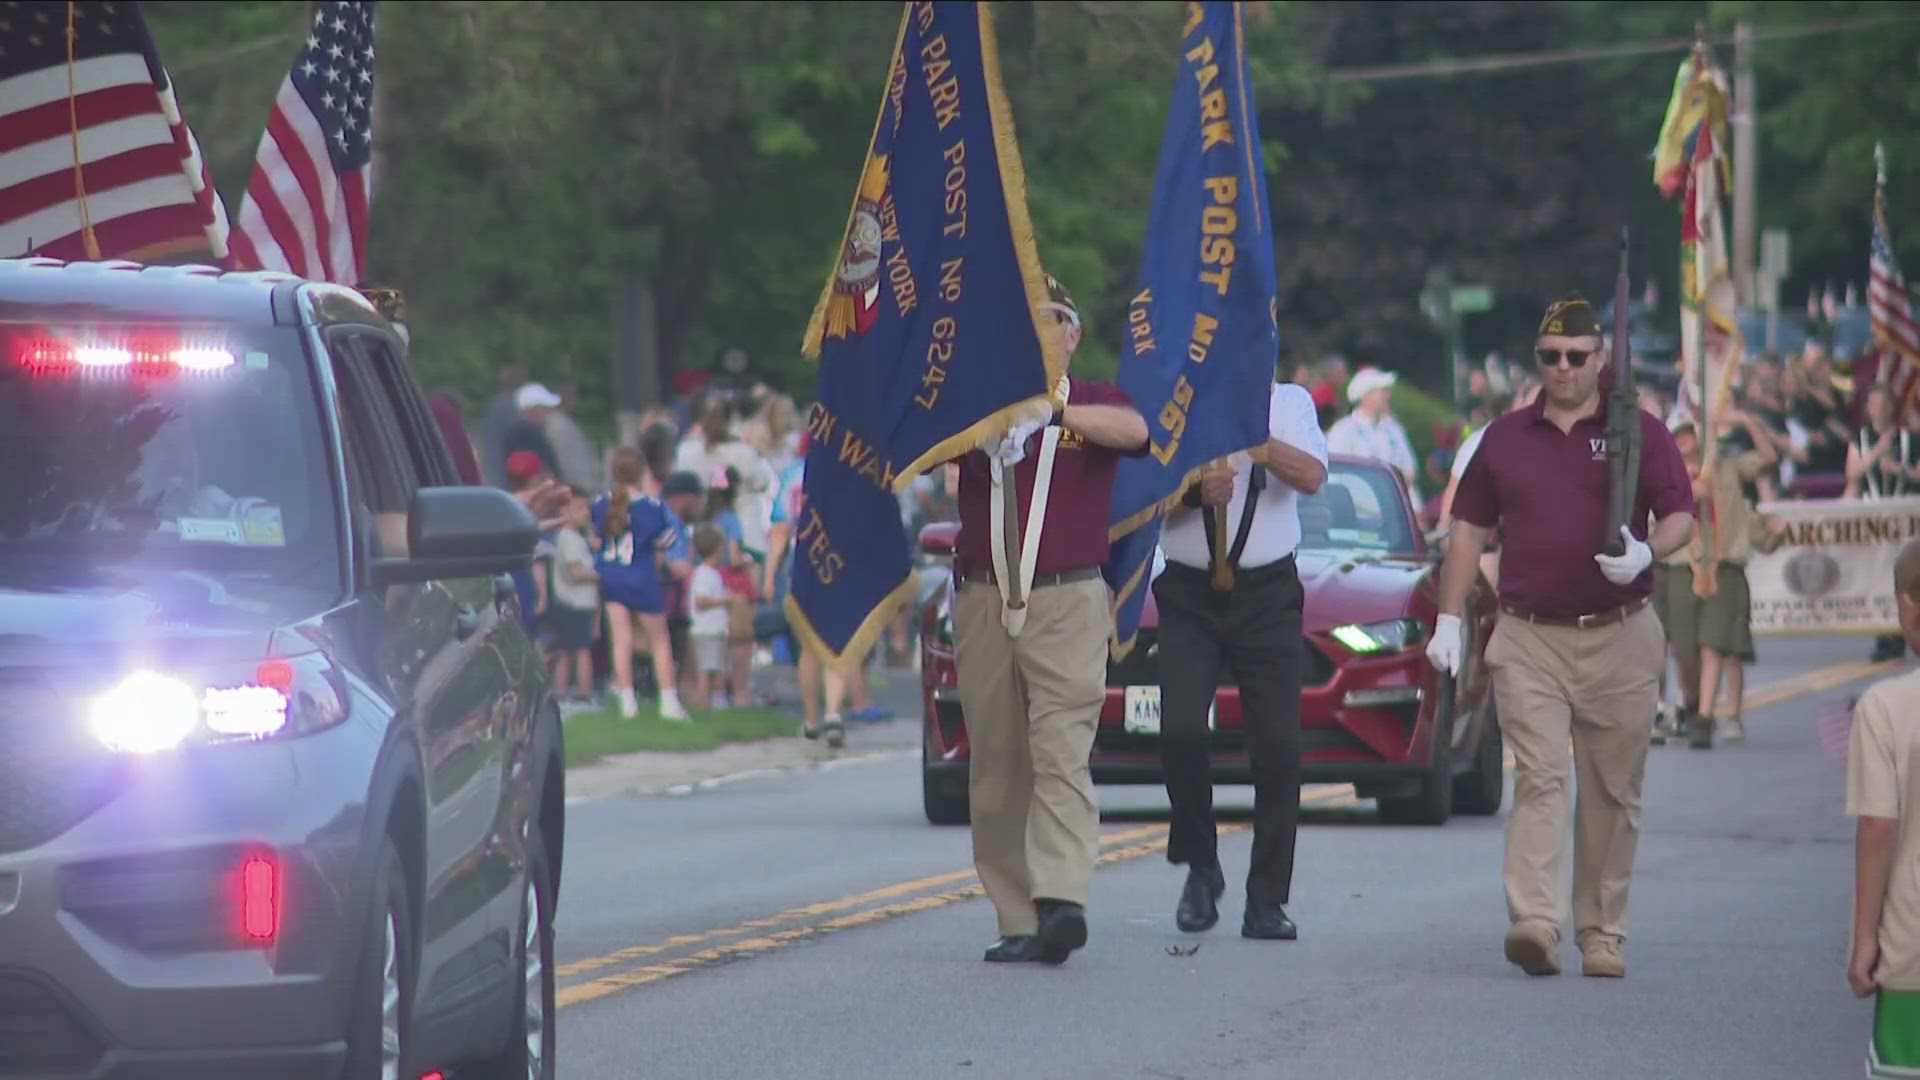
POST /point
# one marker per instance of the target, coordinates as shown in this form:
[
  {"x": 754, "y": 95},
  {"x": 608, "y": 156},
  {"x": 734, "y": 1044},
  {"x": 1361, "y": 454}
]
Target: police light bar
[{"x": 51, "y": 356}]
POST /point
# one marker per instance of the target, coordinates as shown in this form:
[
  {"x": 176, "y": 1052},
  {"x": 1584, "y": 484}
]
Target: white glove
[
  {"x": 1443, "y": 648},
  {"x": 1063, "y": 390},
  {"x": 1623, "y": 568},
  {"x": 1012, "y": 447}
]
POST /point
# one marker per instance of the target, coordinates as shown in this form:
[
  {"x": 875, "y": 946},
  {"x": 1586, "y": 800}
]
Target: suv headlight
[
  {"x": 1394, "y": 635},
  {"x": 151, "y": 713}
]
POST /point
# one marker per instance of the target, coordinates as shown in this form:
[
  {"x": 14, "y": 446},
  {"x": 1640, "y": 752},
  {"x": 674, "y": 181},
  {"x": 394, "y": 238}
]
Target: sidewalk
[{"x": 680, "y": 773}]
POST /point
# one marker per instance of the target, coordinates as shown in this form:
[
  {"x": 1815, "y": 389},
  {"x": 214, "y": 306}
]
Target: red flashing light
[
  {"x": 277, "y": 674},
  {"x": 259, "y": 899},
  {"x": 150, "y": 354}
]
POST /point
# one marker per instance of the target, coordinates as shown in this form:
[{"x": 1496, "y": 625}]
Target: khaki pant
[
  {"x": 1031, "y": 705},
  {"x": 1592, "y": 690}
]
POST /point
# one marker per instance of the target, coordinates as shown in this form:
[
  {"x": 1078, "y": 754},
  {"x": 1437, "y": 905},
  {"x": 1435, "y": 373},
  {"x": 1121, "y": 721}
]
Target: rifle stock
[{"x": 1623, "y": 420}]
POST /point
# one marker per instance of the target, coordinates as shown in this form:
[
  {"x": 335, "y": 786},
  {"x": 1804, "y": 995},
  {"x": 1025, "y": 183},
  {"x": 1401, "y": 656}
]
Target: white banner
[{"x": 1834, "y": 574}]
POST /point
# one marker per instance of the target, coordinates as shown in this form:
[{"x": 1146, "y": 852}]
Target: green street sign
[{"x": 1471, "y": 300}]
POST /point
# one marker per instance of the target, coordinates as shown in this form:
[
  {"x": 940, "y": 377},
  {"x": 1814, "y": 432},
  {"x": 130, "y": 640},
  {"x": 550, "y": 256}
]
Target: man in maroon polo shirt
[
  {"x": 1576, "y": 653},
  {"x": 1032, "y": 672}
]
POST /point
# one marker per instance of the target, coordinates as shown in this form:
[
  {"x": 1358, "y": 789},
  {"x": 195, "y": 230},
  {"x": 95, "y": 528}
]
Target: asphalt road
[{"x": 813, "y": 925}]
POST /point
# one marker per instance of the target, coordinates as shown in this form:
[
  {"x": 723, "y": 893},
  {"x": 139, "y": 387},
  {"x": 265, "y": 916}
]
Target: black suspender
[{"x": 1256, "y": 483}]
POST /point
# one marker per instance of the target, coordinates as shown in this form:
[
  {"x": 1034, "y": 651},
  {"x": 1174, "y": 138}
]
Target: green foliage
[
  {"x": 532, "y": 154},
  {"x": 1419, "y": 412},
  {"x": 1825, "y": 99},
  {"x": 535, "y": 154}
]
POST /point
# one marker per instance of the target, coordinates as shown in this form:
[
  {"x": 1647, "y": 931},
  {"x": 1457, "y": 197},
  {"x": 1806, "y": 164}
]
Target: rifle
[{"x": 1623, "y": 420}]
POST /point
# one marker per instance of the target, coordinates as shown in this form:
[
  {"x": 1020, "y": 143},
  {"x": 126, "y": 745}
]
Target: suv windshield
[
  {"x": 1357, "y": 509},
  {"x": 170, "y": 449}
]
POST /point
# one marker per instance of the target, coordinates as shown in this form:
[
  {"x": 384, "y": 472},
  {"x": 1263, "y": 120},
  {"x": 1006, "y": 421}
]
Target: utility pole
[{"x": 1745, "y": 164}]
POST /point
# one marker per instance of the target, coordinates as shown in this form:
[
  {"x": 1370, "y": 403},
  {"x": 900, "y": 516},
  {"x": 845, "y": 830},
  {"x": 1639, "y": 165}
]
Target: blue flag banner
[
  {"x": 1202, "y": 337},
  {"x": 927, "y": 332}
]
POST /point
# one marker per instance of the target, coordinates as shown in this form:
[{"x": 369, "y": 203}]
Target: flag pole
[{"x": 73, "y": 117}]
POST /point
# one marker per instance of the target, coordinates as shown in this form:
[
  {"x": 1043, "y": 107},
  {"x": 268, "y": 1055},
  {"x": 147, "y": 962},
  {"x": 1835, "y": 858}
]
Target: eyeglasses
[{"x": 1576, "y": 358}]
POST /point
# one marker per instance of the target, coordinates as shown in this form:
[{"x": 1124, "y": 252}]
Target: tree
[{"x": 1506, "y": 180}]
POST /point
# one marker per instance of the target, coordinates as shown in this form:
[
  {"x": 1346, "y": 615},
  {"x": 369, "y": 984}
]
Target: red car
[{"x": 1370, "y": 702}]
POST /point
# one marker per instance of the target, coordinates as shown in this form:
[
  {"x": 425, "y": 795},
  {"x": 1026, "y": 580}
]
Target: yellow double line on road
[
  {"x": 640, "y": 965},
  {"x": 927, "y": 893}
]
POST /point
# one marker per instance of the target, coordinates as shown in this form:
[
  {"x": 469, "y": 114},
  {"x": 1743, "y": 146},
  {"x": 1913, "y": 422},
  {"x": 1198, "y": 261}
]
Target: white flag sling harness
[{"x": 1005, "y": 535}]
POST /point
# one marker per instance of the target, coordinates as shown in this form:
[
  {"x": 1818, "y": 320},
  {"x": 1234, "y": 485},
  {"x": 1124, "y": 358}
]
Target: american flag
[
  {"x": 306, "y": 205},
  {"x": 96, "y": 161},
  {"x": 1895, "y": 337}
]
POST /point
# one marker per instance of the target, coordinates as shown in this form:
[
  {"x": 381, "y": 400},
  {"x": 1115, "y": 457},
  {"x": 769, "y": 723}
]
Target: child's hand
[{"x": 1860, "y": 969}]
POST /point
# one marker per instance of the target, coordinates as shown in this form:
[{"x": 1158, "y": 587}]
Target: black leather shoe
[
  {"x": 1012, "y": 949},
  {"x": 1063, "y": 928},
  {"x": 1267, "y": 921},
  {"x": 1199, "y": 908}
]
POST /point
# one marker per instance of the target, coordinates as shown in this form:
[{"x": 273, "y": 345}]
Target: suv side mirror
[{"x": 455, "y": 532}]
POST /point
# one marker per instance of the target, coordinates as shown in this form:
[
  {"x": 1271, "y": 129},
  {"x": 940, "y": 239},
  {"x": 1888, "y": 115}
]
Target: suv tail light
[
  {"x": 149, "y": 713},
  {"x": 259, "y": 898}
]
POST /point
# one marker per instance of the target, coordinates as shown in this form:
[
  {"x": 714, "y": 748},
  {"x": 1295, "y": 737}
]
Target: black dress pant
[{"x": 1251, "y": 633}]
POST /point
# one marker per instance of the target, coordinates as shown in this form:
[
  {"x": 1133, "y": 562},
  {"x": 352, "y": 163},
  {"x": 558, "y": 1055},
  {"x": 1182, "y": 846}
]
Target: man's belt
[
  {"x": 1612, "y": 617},
  {"x": 967, "y": 575}
]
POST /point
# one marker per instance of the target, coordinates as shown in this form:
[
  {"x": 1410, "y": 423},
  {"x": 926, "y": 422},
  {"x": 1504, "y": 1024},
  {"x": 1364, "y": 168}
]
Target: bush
[{"x": 1419, "y": 411}]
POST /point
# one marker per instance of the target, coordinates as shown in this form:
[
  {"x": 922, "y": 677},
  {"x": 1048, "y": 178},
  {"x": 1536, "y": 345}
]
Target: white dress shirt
[{"x": 1292, "y": 419}]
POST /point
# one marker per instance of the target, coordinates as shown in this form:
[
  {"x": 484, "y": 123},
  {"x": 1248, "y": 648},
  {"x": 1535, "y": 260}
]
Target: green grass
[{"x": 594, "y": 735}]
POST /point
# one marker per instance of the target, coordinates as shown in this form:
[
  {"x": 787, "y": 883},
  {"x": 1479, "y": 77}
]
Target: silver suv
[{"x": 281, "y": 788}]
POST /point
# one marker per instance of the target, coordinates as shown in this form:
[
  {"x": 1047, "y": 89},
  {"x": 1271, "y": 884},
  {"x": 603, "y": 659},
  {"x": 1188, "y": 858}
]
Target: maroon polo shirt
[
  {"x": 1075, "y": 534},
  {"x": 1547, "y": 491}
]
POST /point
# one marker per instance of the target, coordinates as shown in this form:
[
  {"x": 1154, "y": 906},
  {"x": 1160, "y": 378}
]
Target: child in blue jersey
[{"x": 636, "y": 531}]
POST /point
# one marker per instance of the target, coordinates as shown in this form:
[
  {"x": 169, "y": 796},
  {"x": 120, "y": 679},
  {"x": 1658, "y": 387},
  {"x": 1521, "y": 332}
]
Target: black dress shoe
[
  {"x": 1063, "y": 928},
  {"x": 1268, "y": 921},
  {"x": 1199, "y": 908},
  {"x": 1011, "y": 949}
]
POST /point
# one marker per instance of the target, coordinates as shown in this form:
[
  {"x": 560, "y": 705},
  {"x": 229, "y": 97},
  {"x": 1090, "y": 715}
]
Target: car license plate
[{"x": 1142, "y": 716}]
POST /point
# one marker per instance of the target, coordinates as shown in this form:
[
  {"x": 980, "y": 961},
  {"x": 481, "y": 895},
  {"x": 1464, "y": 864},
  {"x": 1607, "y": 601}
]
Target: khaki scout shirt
[
  {"x": 1883, "y": 781},
  {"x": 1742, "y": 529}
]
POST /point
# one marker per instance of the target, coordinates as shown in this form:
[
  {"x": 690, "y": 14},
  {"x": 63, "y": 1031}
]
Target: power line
[
  {"x": 192, "y": 63},
  {"x": 1518, "y": 61}
]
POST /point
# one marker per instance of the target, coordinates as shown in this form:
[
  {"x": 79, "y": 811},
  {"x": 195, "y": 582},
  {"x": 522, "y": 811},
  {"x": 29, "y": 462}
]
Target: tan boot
[
  {"x": 1533, "y": 948},
  {"x": 1600, "y": 958}
]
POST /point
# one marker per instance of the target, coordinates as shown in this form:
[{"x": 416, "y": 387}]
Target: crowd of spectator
[{"x": 727, "y": 462}]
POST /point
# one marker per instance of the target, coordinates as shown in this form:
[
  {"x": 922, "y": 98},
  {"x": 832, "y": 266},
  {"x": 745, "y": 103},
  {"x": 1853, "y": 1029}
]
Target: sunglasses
[{"x": 1576, "y": 358}]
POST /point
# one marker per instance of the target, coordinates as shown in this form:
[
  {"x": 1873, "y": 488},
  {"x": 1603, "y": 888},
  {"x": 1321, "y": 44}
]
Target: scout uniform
[
  {"x": 1677, "y": 608},
  {"x": 1576, "y": 661},
  {"x": 1883, "y": 781},
  {"x": 1729, "y": 532}
]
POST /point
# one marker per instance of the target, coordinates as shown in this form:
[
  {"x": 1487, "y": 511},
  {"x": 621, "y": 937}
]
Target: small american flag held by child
[{"x": 1834, "y": 726}]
